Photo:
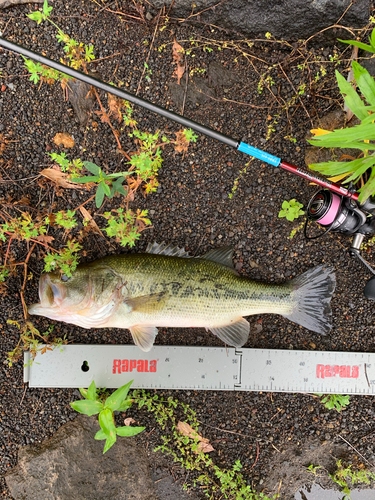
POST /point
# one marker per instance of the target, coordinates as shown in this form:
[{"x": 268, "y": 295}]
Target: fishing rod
[{"x": 334, "y": 207}]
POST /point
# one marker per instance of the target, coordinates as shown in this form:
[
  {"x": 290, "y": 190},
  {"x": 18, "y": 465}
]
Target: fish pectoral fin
[
  {"x": 146, "y": 303},
  {"x": 235, "y": 334},
  {"x": 144, "y": 336}
]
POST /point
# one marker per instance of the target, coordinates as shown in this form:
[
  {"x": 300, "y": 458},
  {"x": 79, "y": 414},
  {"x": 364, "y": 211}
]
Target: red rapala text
[
  {"x": 139, "y": 365},
  {"x": 342, "y": 371}
]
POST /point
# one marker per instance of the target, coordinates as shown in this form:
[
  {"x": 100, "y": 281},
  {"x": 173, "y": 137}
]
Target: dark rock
[
  {"x": 81, "y": 98},
  {"x": 283, "y": 18},
  {"x": 218, "y": 76},
  {"x": 71, "y": 466},
  {"x": 197, "y": 91}
]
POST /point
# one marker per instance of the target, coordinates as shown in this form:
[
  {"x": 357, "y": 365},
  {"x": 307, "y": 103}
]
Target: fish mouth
[{"x": 50, "y": 295}]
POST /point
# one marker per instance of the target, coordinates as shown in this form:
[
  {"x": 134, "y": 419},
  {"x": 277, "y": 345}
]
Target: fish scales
[{"x": 166, "y": 289}]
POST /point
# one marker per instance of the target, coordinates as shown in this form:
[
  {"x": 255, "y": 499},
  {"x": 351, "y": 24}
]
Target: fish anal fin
[
  {"x": 146, "y": 303},
  {"x": 223, "y": 255},
  {"x": 234, "y": 334},
  {"x": 144, "y": 336}
]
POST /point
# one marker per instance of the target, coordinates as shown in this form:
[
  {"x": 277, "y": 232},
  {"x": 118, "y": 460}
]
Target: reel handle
[{"x": 354, "y": 251}]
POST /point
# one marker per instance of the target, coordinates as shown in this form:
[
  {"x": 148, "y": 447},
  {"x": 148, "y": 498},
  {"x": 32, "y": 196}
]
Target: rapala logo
[
  {"x": 129, "y": 365},
  {"x": 343, "y": 371}
]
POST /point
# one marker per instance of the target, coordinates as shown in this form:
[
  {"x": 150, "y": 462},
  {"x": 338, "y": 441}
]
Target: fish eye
[{"x": 64, "y": 277}]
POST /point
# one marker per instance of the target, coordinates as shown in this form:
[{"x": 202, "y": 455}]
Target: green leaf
[
  {"x": 85, "y": 180},
  {"x": 285, "y": 205},
  {"x": 106, "y": 188},
  {"x": 87, "y": 407},
  {"x": 99, "y": 197},
  {"x": 115, "y": 400},
  {"x": 129, "y": 431},
  {"x": 100, "y": 435},
  {"x": 372, "y": 39},
  {"x": 91, "y": 392},
  {"x": 365, "y": 82},
  {"x": 91, "y": 167},
  {"x": 282, "y": 213},
  {"x": 109, "y": 443},
  {"x": 36, "y": 16},
  {"x": 106, "y": 422},
  {"x": 83, "y": 392},
  {"x": 361, "y": 45},
  {"x": 125, "y": 405},
  {"x": 46, "y": 9},
  {"x": 352, "y": 99}
]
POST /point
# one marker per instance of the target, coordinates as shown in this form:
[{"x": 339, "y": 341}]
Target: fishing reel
[{"x": 343, "y": 214}]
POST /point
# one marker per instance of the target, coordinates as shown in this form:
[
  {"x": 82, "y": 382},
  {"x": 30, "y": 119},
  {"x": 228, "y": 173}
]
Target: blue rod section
[{"x": 258, "y": 153}]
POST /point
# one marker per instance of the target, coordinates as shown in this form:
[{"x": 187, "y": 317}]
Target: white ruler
[{"x": 204, "y": 368}]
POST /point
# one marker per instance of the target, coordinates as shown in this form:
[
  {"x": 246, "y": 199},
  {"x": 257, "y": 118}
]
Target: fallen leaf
[
  {"x": 114, "y": 104},
  {"x": 178, "y": 58},
  {"x": 65, "y": 139},
  {"x": 129, "y": 421},
  {"x": 45, "y": 238},
  {"x": 204, "y": 444},
  {"x": 91, "y": 222},
  {"x": 60, "y": 178},
  {"x": 181, "y": 144},
  {"x": 104, "y": 118}
]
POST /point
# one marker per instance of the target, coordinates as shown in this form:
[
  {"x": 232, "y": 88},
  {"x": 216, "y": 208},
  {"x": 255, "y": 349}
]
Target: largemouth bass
[{"x": 166, "y": 288}]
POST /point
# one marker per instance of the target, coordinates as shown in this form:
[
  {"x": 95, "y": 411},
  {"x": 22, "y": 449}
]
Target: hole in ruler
[{"x": 85, "y": 366}]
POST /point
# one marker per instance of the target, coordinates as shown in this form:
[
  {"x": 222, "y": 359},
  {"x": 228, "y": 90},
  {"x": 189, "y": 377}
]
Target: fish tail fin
[{"x": 312, "y": 293}]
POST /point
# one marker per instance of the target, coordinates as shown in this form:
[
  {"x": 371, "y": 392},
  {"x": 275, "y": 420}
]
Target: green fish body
[{"x": 166, "y": 288}]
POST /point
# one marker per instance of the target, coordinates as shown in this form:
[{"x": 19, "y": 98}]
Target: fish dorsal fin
[
  {"x": 235, "y": 334},
  {"x": 223, "y": 255},
  {"x": 144, "y": 336},
  {"x": 146, "y": 303},
  {"x": 164, "y": 249}
]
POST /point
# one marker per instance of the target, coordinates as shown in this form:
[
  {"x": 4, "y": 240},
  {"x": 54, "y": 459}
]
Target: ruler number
[
  {"x": 167, "y": 360},
  {"x": 200, "y": 360},
  {"x": 235, "y": 377},
  {"x": 234, "y": 361},
  {"x": 268, "y": 362},
  {"x": 302, "y": 363},
  {"x": 305, "y": 379}
]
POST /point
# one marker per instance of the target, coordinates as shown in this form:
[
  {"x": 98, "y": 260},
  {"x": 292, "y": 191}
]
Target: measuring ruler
[{"x": 203, "y": 368}]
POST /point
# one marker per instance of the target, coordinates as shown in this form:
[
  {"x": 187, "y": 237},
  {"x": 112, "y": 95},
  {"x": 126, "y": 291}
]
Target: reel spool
[{"x": 343, "y": 215}]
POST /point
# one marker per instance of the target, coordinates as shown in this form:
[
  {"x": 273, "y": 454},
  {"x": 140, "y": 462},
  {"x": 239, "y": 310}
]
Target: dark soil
[{"x": 191, "y": 209}]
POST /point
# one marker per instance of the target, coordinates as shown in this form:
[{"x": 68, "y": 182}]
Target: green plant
[
  {"x": 343, "y": 475},
  {"x": 334, "y": 401},
  {"x": 66, "y": 261},
  {"x": 148, "y": 72},
  {"x": 95, "y": 403},
  {"x": 291, "y": 210},
  {"x": 63, "y": 219},
  {"x": 77, "y": 54},
  {"x": 186, "y": 449},
  {"x": 314, "y": 468},
  {"x": 127, "y": 226},
  {"x": 29, "y": 341},
  {"x": 108, "y": 184},
  {"x": 295, "y": 230},
  {"x": 357, "y": 137},
  {"x": 73, "y": 168}
]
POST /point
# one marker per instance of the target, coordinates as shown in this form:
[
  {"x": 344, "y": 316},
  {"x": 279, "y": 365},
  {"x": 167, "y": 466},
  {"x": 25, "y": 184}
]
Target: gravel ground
[{"x": 191, "y": 209}]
